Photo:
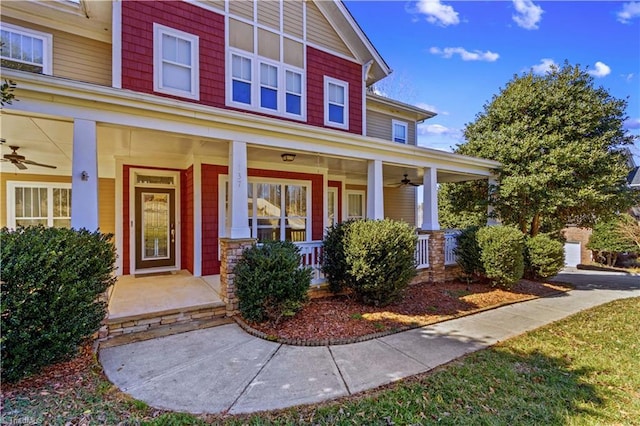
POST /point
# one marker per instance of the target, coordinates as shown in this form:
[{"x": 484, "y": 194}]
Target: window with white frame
[
  {"x": 279, "y": 88},
  {"x": 399, "y": 131},
  {"x": 355, "y": 205},
  {"x": 336, "y": 103},
  {"x": 175, "y": 62},
  {"x": 332, "y": 206},
  {"x": 33, "y": 203},
  {"x": 26, "y": 49}
]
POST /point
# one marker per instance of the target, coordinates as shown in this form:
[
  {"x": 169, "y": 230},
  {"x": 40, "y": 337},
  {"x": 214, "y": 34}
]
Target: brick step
[{"x": 135, "y": 328}]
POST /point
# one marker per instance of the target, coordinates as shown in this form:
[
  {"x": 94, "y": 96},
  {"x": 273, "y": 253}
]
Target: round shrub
[
  {"x": 52, "y": 280},
  {"x": 270, "y": 283},
  {"x": 502, "y": 254},
  {"x": 373, "y": 258},
  {"x": 468, "y": 253},
  {"x": 543, "y": 257}
]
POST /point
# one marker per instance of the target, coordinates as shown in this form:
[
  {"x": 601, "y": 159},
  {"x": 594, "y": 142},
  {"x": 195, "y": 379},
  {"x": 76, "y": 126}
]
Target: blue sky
[{"x": 451, "y": 57}]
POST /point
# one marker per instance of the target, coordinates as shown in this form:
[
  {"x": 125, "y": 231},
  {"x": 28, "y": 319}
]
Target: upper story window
[
  {"x": 336, "y": 103},
  {"x": 175, "y": 62},
  {"x": 26, "y": 49},
  {"x": 279, "y": 88},
  {"x": 399, "y": 131}
]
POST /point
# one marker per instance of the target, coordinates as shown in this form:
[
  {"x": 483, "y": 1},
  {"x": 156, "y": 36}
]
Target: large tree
[{"x": 559, "y": 140}]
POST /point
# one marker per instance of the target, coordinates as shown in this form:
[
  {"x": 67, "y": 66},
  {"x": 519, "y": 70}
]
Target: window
[
  {"x": 336, "y": 108},
  {"x": 175, "y": 62},
  {"x": 241, "y": 79},
  {"x": 355, "y": 205},
  {"x": 268, "y": 86},
  {"x": 30, "y": 203},
  {"x": 25, "y": 49},
  {"x": 399, "y": 132},
  {"x": 279, "y": 89}
]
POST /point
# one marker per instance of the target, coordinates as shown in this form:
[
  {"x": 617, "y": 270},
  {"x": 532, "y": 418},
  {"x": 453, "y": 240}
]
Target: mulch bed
[{"x": 342, "y": 319}]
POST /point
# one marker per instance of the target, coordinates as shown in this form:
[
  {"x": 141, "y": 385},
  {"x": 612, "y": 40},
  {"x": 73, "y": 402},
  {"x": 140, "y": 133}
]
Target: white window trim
[
  {"x": 282, "y": 68},
  {"x": 158, "y": 31},
  {"x": 222, "y": 213},
  {"x": 344, "y": 85},
  {"x": 364, "y": 202},
  {"x": 336, "y": 219},
  {"x": 404, "y": 124},
  {"x": 47, "y": 45},
  {"x": 11, "y": 198}
]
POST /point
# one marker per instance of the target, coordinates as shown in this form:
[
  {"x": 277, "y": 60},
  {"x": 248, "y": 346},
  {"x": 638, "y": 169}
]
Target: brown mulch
[{"x": 341, "y": 318}]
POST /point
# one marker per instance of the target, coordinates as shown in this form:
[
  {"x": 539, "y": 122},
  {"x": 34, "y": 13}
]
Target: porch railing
[
  {"x": 311, "y": 255},
  {"x": 450, "y": 243},
  {"x": 422, "y": 251}
]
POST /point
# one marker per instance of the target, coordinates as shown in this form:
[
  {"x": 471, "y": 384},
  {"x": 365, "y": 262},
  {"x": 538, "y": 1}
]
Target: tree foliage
[
  {"x": 558, "y": 138},
  {"x": 607, "y": 240}
]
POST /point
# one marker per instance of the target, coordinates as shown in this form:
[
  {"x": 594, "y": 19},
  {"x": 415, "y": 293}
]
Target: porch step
[{"x": 135, "y": 328}]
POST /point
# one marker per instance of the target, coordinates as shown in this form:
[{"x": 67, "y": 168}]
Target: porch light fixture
[
  {"x": 287, "y": 157},
  {"x": 84, "y": 176}
]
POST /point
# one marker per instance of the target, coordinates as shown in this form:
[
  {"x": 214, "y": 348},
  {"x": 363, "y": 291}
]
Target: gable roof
[
  {"x": 346, "y": 26},
  {"x": 418, "y": 114},
  {"x": 634, "y": 178}
]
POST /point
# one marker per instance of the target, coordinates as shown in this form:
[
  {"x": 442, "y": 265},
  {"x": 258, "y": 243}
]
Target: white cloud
[
  {"x": 629, "y": 11},
  {"x": 544, "y": 66},
  {"x": 428, "y": 107},
  {"x": 601, "y": 70},
  {"x": 628, "y": 77},
  {"x": 465, "y": 55},
  {"x": 632, "y": 123},
  {"x": 437, "y": 13},
  {"x": 529, "y": 14}
]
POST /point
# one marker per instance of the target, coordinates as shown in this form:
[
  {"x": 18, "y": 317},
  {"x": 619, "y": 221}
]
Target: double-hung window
[
  {"x": 355, "y": 205},
  {"x": 294, "y": 93},
  {"x": 25, "y": 49},
  {"x": 175, "y": 62},
  {"x": 268, "y": 86},
  {"x": 32, "y": 203},
  {"x": 400, "y": 131},
  {"x": 241, "y": 78},
  {"x": 336, "y": 108}
]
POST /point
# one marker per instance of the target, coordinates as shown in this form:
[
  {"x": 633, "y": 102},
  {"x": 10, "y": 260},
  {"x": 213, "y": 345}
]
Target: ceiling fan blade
[
  {"x": 19, "y": 165},
  {"x": 33, "y": 163},
  {"x": 414, "y": 184}
]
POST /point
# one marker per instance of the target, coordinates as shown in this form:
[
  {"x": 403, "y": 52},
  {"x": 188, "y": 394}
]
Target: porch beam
[
  {"x": 375, "y": 202},
  {"x": 84, "y": 176},
  {"x": 238, "y": 220},
  {"x": 430, "y": 220}
]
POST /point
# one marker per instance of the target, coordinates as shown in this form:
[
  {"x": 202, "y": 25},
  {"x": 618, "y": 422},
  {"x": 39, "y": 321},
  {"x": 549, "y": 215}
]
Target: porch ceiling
[{"x": 49, "y": 140}]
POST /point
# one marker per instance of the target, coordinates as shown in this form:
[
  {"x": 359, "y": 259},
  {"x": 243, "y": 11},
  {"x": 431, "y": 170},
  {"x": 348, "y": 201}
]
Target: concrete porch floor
[{"x": 134, "y": 297}]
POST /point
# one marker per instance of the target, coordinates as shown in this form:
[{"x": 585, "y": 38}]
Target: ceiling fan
[
  {"x": 20, "y": 160},
  {"x": 406, "y": 181}
]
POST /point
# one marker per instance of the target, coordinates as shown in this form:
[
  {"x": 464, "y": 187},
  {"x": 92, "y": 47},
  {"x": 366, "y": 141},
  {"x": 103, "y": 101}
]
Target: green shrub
[
  {"x": 373, "y": 258},
  {"x": 270, "y": 283},
  {"x": 52, "y": 281},
  {"x": 502, "y": 254},
  {"x": 468, "y": 253},
  {"x": 543, "y": 257}
]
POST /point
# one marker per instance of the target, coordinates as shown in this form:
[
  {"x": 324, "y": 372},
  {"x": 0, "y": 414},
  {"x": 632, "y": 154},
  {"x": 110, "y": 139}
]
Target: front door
[{"x": 155, "y": 228}]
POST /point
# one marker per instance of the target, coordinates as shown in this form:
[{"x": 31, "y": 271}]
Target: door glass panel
[
  {"x": 156, "y": 180},
  {"x": 331, "y": 210},
  {"x": 155, "y": 226}
]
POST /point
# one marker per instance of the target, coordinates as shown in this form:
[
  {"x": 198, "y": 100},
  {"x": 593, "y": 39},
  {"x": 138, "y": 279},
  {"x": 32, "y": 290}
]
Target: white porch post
[
  {"x": 491, "y": 221},
  {"x": 238, "y": 220},
  {"x": 430, "y": 200},
  {"x": 84, "y": 176},
  {"x": 375, "y": 202}
]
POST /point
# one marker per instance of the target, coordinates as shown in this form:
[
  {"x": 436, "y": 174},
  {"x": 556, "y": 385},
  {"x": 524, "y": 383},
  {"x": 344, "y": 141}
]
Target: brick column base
[
  {"x": 231, "y": 252},
  {"x": 437, "y": 270}
]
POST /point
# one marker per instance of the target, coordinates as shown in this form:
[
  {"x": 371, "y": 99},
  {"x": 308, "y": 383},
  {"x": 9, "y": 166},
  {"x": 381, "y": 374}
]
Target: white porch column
[
  {"x": 430, "y": 200},
  {"x": 492, "y": 184},
  {"x": 84, "y": 176},
  {"x": 238, "y": 220},
  {"x": 375, "y": 202}
]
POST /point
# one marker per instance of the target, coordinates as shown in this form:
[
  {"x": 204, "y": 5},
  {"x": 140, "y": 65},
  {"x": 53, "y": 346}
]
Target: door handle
[{"x": 173, "y": 234}]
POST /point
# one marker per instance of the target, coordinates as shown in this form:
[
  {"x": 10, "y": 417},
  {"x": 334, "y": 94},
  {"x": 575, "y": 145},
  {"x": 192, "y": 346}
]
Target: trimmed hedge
[
  {"x": 52, "y": 281},
  {"x": 543, "y": 257},
  {"x": 468, "y": 253},
  {"x": 502, "y": 254},
  {"x": 270, "y": 284},
  {"x": 373, "y": 258}
]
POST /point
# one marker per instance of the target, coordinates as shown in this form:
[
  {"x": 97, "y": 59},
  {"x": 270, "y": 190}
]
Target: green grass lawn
[{"x": 584, "y": 370}]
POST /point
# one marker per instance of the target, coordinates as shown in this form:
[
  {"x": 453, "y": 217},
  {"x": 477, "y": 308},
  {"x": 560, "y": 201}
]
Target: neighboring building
[{"x": 188, "y": 128}]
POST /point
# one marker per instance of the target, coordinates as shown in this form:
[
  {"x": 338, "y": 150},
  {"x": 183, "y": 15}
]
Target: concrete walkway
[{"x": 224, "y": 369}]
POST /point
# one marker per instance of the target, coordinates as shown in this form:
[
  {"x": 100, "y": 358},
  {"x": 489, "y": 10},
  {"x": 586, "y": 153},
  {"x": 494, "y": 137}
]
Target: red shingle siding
[
  {"x": 209, "y": 191},
  {"x": 186, "y": 216},
  {"x": 320, "y": 64},
  {"x": 138, "y": 18}
]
